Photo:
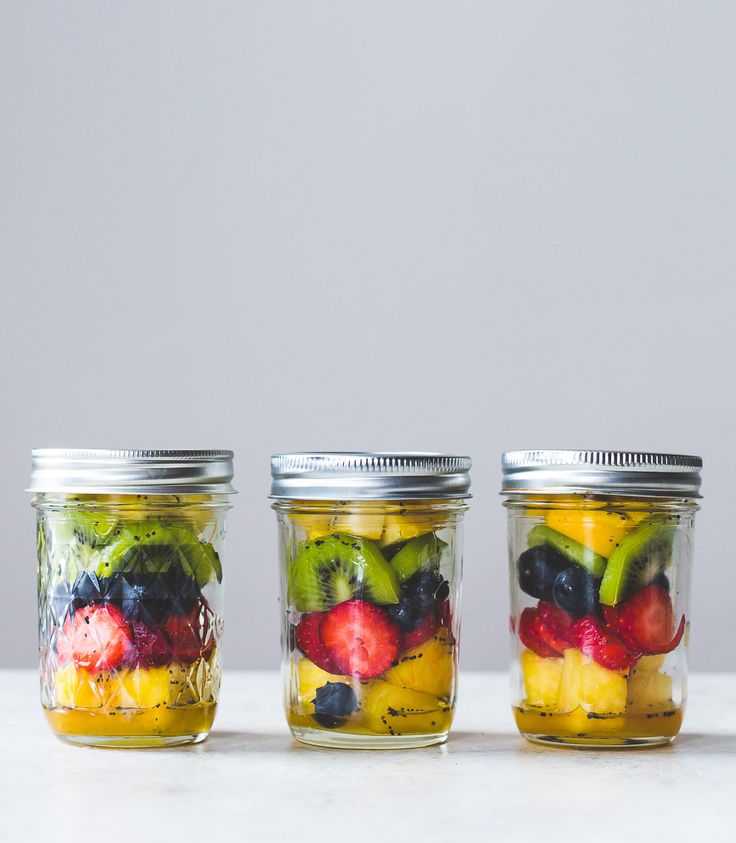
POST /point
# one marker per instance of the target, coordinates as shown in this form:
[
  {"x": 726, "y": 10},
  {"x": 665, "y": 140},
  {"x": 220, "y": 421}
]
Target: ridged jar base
[
  {"x": 599, "y": 743},
  {"x": 344, "y": 740}
]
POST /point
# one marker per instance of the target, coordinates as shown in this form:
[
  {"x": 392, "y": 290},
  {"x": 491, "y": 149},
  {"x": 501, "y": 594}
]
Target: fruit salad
[
  {"x": 130, "y": 618},
  {"x": 599, "y": 623},
  {"x": 372, "y": 643}
]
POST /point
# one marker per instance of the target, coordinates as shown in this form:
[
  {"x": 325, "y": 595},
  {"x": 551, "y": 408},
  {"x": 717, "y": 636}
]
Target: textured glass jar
[
  {"x": 600, "y": 547},
  {"x": 370, "y": 591},
  {"x": 130, "y": 594}
]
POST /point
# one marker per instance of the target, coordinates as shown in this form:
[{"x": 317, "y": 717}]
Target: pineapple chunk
[
  {"x": 388, "y": 709},
  {"x": 428, "y": 668},
  {"x": 541, "y": 679},
  {"x": 368, "y": 526},
  {"x": 602, "y": 691},
  {"x": 568, "y": 695},
  {"x": 399, "y": 528},
  {"x": 141, "y": 688},
  {"x": 579, "y": 723},
  {"x": 649, "y": 664},
  {"x": 598, "y": 529},
  {"x": 313, "y": 524},
  {"x": 79, "y": 689},
  {"x": 649, "y": 692}
]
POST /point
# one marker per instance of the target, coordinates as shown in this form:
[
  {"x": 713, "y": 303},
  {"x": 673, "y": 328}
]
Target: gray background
[{"x": 461, "y": 226}]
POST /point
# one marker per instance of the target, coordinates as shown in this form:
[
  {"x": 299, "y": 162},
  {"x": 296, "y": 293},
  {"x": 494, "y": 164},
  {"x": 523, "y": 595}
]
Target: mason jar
[
  {"x": 601, "y": 550},
  {"x": 129, "y": 547},
  {"x": 370, "y": 552}
]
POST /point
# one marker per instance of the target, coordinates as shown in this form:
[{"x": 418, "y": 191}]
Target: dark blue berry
[
  {"x": 64, "y": 602},
  {"x": 662, "y": 581},
  {"x": 426, "y": 590},
  {"x": 538, "y": 568},
  {"x": 90, "y": 589},
  {"x": 335, "y": 699},
  {"x": 404, "y": 613},
  {"x": 576, "y": 591}
]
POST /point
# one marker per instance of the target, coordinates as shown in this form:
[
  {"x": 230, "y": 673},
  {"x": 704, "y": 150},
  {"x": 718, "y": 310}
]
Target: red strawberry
[
  {"x": 360, "y": 638},
  {"x": 597, "y": 642},
  {"x": 646, "y": 621},
  {"x": 95, "y": 638},
  {"x": 151, "y": 647},
  {"x": 424, "y": 631},
  {"x": 189, "y": 636},
  {"x": 309, "y": 642},
  {"x": 553, "y": 626},
  {"x": 530, "y": 637},
  {"x": 445, "y": 614}
]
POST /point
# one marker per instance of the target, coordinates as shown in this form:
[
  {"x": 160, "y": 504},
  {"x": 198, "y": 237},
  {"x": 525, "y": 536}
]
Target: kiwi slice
[
  {"x": 421, "y": 552},
  {"x": 331, "y": 569},
  {"x": 571, "y": 549},
  {"x": 92, "y": 529},
  {"x": 639, "y": 558},
  {"x": 151, "y": 547}
]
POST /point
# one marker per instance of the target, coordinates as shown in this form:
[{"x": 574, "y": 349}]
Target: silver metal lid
[
  {"x": 87, "y": 470},
  {"x": 369, "y": 476},
  {"x": 629, "y": 473}
]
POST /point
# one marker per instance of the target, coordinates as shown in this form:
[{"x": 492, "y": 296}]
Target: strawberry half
[
  {"x": 360, "y": 638},
  {"x": 150, "y": 647},
  {"x": 597, "y": 642},
  {"x": 530, "y": 636},
  {"x": 553, "y": 626},
  {"x": 309, "y": 642},
  {"x": 646, "y": 621},
  {"x": 95, "y": 638}
]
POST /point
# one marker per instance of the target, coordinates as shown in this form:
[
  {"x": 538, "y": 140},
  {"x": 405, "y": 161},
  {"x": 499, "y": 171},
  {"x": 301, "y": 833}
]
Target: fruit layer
[
  {"x": 436, "y": 722},
  {"x": 579, "y": 724},
  {"x": 161, "y": 722}
]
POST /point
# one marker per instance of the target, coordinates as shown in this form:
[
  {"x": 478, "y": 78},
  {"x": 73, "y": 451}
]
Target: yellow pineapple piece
[
  {"x": 141, "y": 688},
  {"x": 602, "y": 691},
  {"x": 579, "y": 723},
  {"x": 428, "y": 668},
  {"x": 313, "y": 524},
  {"x": 598, "y": 529},
  {"x": 387, "y": 709},
  {"x": 649, "y": 692},
  {"x": 648, "y": 664},
  {"x": 541, "y": 679},
  {"x": 568, "y": 695},
  {"x": 75, "y": 688},
  {"x": 306, "y": 677},
  {"x": 399, "y": 528},
  {"x": 366, "y": 525}
]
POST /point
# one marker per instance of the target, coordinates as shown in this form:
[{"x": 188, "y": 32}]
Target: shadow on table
[{"x": 710, "y": 743}]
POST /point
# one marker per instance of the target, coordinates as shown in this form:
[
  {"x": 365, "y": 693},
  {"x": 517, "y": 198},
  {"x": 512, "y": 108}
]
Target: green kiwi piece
[
  {"x": 572, "y": 550},
  {"x": 334, "y": 568},
  {"x": 421, "y": 552},
  {"x": 149, "y": 546},
  {"x": 637, "y": 560},
  {"x": 92, "y": 529}
]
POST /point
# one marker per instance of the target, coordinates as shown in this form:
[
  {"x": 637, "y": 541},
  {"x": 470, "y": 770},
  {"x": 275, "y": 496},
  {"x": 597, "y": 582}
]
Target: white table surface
[{"x": 250, "y": 781}]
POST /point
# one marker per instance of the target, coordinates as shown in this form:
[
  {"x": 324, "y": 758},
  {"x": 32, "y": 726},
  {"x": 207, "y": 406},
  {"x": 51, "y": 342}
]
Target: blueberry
[
  {"x": 576, "y": 591},
  {"x": 662, "y": 581},
  {"x": 404, "y": 614},
  {"x": 64, "y": 602},
  {"x": 334, "y": 701},
  {"x": 90, "y": 589},
  {"x": 426, "y": 589},
  {"x": 538, "y": 568}
]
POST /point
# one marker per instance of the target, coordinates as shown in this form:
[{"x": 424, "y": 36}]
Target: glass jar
[
  {"x": 130, "y": 592},
  {"x": 371, "y": 559},
  {"x": 600, "y": 546}
]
